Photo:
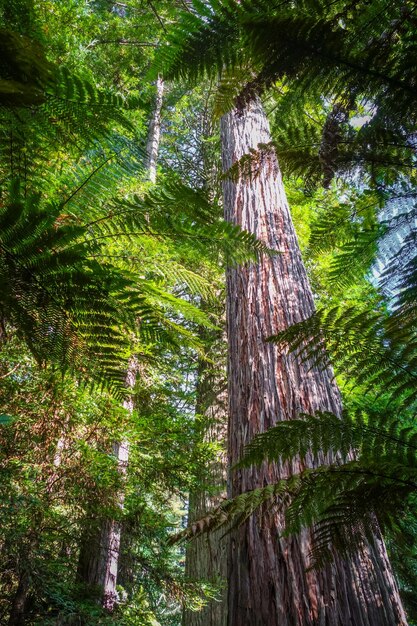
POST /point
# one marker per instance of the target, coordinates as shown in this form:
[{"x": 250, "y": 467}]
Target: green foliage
[
  {"x": 64, "y": 305},
  {"x": 59, "y": 479},
  {"x": 373, "y": 349},
  {"x": 96, "y": 264},
  {"x": 347, "y": 92},
  {"x": 24, "y": 70},
  {"x": 371, "y": 468},
  {"x": 178, "y": 211},
  {"x": 48, "y": 252},
  {"x": 44, "y": 108}
]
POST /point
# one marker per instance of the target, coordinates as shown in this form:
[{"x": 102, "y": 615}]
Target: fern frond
[
  {"x": 375, "y": 435},
  {"x": 65, "y": 109},
  {"x": 342, "y": 500},
  {"x": 206, "y": 37},
  {"x": 103, "y": 171},
  {"x": 159, "y": 296},
  {"x": 176, "y": 211},
  {"x": 71, "y": 309},
  {"x": 354, "y": 259},
  {"x": 363, "y": 344}
]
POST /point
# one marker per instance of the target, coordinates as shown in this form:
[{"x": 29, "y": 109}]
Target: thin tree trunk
[
  {"x": 100, "y": 555},
  {"x": 100, "y": 549},
  {"x": 269, "y": 584},
  {"x": 126, "y": 574},
  {"x": 154, "y": 134},
  {"x": 18, "y": 609},
  {"x": 206, "y": 556},
  {"x": 112, "y": 529}
]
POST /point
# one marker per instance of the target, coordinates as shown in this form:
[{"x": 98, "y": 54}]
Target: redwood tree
[
  {"x": 206, "y": 556},
  {"x": 269, "y": 580}
]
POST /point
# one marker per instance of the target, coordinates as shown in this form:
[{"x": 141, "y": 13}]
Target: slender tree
[
  {"x": 269, "y": 579},
  {"x": 99, "y": 559},
  {"x": 110, "y": 544},
  {"x": 99, "y": 554},
  {"x": 154, "y": 134},
  {"x": 206, "y": 557}
]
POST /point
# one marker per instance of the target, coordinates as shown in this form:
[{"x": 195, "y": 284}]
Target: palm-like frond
[
  {"x": 285, "y": 39},
  {"x": 340, "y": 499},
  {"x": 105, "y": 170},
  {"x": 333, "y": 55},
  {"x": 372, "y": 433},
  {"x": 72, "y": 309},
  {"x": 44, "y": 107},
  {"x": 64, "y": 305},
  {"x": 207, "y": 36},
  {"x": 174, "y": 210},
  {"x": 366, "y": 345}
]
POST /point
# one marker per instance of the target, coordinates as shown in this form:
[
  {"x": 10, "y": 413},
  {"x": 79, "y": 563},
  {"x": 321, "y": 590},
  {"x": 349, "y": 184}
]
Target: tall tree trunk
[
  {"x": 126, "y": 572},
  {"x": 269, "y": 584},
  {"x": 154, "y": 134},
  {"x": 206, "y": 556},
  {"x": 100, "y": 549},
  {"x": 100, "y": 553}
]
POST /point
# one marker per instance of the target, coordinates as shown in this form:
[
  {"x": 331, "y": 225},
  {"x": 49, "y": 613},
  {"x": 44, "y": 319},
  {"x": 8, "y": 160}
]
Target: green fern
[
  {"x": 176, "y": 211},
  {"x": 71, "y": 309},
  {"x": 339, "y": 499},
  {"x": 320, "y": 53},
  {"x": 44, "y": 108},
  {"x": 62, "y": 304}
]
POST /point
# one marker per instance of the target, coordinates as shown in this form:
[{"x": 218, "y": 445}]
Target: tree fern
[
  {"x": 63, "y": 305},
  {"x": 333, "y": 55},
  {"x": 96, "y": 304},
  {"x": 71, "y": 309},
  {"x": 45, "y": 107},
  {"x": 175, "y": 210},
  {"x": 341, "y": 498}
]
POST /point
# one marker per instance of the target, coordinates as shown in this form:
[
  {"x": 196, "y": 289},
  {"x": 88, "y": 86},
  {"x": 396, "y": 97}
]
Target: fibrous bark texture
[
  {"x": 269, "y": 584},
  {"x": 206, "y": 556}
]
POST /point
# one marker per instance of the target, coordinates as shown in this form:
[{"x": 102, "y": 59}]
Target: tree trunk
[
  {"x": 17, "y": 611},
  {"x": 154, "y": 134},
  {"x": 269, "y": 584},
  {"x": 100, "y": 554},
  {"x": 206, "y": 556},
  {"x": 100, "y": 549}
]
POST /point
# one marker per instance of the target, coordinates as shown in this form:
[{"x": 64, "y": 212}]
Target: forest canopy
[{"x": 208, "y": 312}]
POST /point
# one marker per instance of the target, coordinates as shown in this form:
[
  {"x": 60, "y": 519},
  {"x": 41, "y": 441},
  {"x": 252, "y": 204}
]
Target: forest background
[{"x": 113, "y": 288}]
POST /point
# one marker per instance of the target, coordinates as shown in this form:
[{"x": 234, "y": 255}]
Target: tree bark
[
  {"x": 206, "y": 556},
  {"x": 154, "y": 134},
  {"x": 269, "y": 584}
]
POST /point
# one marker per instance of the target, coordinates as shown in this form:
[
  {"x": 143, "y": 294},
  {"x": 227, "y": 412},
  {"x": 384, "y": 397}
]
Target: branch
[{"x": 122, "y": 42}]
